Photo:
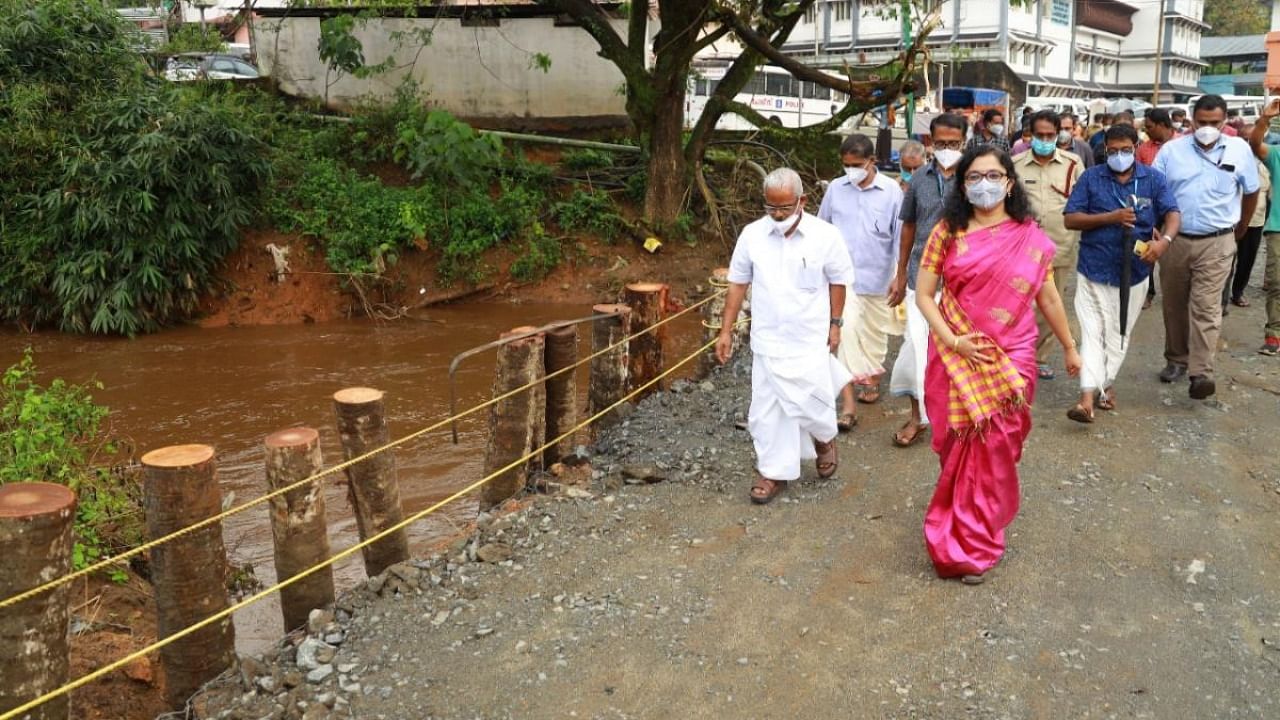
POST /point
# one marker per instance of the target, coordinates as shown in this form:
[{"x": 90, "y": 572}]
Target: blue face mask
[
  {"x": 905, "y": 176},
  {"x": 1043, "y": 147}
]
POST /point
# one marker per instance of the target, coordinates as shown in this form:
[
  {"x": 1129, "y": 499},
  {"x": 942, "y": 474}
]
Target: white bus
[{"x": 772, "y": 92}]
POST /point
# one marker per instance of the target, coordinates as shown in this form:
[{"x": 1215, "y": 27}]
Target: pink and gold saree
[{"x": 983, "y": 410}]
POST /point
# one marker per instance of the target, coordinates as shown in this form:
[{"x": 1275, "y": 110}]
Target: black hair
[
  {"x": 1123, "y": 114},
  {"x": 1178, "y": 112},
  {"x": 858, "y": 144},
  {"x": 1209, "y": 102},
  {"x": 949, "y": 120},
  {"x": 1102, "y": 117},
  {"x": 1121, "y": 132},
  {"x": 1065, "y": 116},
  {"x": 990, "y": 113},
  {"x": 959, "y": 211},
  {"x": 1160, "y": 116},
  {"x": 1046, "y": 116}
]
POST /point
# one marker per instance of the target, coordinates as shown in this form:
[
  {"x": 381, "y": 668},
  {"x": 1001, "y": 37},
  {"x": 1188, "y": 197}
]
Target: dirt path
[{"x": 1142, "y": 580}]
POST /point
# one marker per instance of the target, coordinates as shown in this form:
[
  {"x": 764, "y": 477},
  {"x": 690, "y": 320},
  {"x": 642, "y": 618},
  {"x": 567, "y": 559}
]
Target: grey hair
[
  {"x": 911, "y": 148},
  {"x": 784, "y": 179}
]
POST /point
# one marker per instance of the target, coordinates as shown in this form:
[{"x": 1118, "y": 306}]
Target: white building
[{"x": 1077, "y": 48}]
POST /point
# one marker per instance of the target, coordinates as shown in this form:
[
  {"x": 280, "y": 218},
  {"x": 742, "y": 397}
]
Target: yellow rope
[
  {"x": 117, "y": 559},
  {"x": 221, "y": 615}
]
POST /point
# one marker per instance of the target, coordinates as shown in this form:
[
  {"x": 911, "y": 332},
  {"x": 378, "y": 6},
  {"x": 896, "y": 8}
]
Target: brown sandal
[
  {"x": 846, "y": 422},
  {"x": 765, "y": 490},
  {"x": 1080, "y": 415},
  {"x": 1106, "y": 400},
  {"x": 868, "y": 395},
  {"x": 828, "y": 458},
  {"x": 915, "y": 438}
]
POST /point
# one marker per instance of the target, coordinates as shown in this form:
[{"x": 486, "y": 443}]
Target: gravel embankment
[{"x": 1142, "y": 580}]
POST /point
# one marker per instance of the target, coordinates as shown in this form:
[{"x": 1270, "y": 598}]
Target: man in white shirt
[
  {"x": 799, "y": 271},
  {"x": 864, "y": 205}
]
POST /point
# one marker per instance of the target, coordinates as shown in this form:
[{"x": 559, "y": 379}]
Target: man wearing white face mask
[
  {"x": 1215, "y": 181},
  {"x": 990, "y": 131},
  {"x": 799, "y": 270},
  {"x": 921, "y": 210},
  {"x": 864, "y": 205}
]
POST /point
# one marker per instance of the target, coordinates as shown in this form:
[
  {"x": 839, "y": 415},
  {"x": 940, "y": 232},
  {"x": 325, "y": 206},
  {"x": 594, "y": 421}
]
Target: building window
[
  {"x": 843, "y": 9},
  {"x": 809, "y": 15},
  {"x": 1026, "y": 56},
  {"x": 1013, "y": 56}
]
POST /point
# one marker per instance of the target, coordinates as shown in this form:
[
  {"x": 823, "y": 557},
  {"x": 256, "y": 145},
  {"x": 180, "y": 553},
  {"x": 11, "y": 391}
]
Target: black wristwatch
[{"x": 838, "y": 322}]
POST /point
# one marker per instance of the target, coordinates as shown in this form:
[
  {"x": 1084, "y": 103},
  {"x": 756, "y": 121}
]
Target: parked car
[{"x": 208, "y": 66}]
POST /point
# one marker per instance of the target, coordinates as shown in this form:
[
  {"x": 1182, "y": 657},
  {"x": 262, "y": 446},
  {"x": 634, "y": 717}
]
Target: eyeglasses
[
  {"x": 974, "y": 178},
  {"x": 948, "y": 144},
  {"x": 1112, "y": 152},
  {"x": 775, "y": 209}
]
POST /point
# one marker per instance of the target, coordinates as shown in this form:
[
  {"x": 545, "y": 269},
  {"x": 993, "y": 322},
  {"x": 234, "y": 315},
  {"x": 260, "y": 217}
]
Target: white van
[
  {"x": 1249, "y": 106},
  {"x": 1060, "y": 105}
]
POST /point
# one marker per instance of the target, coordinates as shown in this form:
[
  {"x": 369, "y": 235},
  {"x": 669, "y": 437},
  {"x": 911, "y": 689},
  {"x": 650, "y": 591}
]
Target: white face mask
[
  {"x": 986, "y": 194},
  {"x": 946, "y": 158},
  {"x": 784, "y": 225},
  {"x": 996, "y": 129},
  {"x": 856, "y": 174},
  {"x": 1207, "y": 134}
]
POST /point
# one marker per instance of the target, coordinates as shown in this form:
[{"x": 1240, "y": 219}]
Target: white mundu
[
  {"x": 1101, "y": 348},
  {"x": 794, "y": 378},
  {"x": 908, "y": 369}
]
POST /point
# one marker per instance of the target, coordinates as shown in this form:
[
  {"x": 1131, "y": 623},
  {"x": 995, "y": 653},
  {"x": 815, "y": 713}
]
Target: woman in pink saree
[{"x": 993, "y": 262}]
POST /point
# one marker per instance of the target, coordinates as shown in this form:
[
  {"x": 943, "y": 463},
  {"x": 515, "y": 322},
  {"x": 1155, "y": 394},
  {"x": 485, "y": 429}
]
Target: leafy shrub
[
  {"x": 437, "y": 147},
  {"x": 191, "y": 38},
  {"x": 590, "y": 211},
  {"x": 542, "y": 254},
  {"x": 587, "y": 159},
  {"x": 119, "y": 195},
  {"x": 55, "y": 434}
]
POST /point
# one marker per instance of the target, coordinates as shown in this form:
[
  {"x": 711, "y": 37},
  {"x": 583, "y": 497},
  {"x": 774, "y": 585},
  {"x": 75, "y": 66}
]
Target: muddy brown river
[{"x": 231, "y": 387}]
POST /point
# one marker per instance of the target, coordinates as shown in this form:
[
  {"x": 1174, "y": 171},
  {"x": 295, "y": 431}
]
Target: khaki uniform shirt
[{"x": 1049, "y": 186}]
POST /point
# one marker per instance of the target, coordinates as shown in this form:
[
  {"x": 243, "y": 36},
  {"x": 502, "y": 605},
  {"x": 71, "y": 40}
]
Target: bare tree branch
[{"x": 595, "y": 21}]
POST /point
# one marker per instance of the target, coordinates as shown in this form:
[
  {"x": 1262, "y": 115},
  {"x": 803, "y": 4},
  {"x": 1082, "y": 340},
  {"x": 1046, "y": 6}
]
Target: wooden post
[
  {"x": 189, "y": 572},
  {"x": 298, "y": 528},
  {"x": 562, "y": 391},
  {"x": 517, "y": 424},
  {"x": 35, "y": 530},
  {"x": 372, "y": 487},
  {"x": 648, "y": 306},
  {"x": 712, "y": 316},
  {"x": 607, "y": 382}
]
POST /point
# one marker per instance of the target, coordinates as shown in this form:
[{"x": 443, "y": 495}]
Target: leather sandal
[
  {"x": 846, "y": 422},
  {"x": 828, "y": 458},
  {"x": 1080, "y": 415},
  {"x": 765, "y": 490},
  {"x": 915, "y": 438}
]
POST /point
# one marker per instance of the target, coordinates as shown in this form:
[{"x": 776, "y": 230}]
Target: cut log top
[
  {"x": 26, "y": 500},
  {"x": 176, "y": 456},
  {"x": 614, "y": 309},
  {"x": 523, "y": 329},
  {"x": 293, "y": 437},
  {"x": 645, "y": 288},
  {"x": 563, "y": 333},
  {"x": 357, "y": 396}
]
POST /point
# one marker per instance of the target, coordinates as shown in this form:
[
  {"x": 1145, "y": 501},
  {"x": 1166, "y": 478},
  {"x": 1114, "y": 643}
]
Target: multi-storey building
[{"x": 1077, "y": 48}]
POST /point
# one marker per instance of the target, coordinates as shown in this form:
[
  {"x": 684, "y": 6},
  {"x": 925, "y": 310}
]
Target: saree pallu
[{"x": 990, "y": 281}]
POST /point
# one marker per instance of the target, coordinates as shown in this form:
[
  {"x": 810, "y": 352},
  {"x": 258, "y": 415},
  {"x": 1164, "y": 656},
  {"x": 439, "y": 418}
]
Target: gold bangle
[{"x": 955, "y": 343}]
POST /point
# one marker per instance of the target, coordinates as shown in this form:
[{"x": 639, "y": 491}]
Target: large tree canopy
[
  {"x": 1237, "y": 17},
  {"x": 656, "y": 91}
]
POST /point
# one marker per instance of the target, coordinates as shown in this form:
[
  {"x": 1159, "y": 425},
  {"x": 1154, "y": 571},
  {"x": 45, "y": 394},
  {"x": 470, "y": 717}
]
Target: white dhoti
[
  {"x": 868, "y": 323},
  {"x": 907, "y": 378},
  {"x": 792, "y": 404},
  {"x": 1098, "y": 312}
]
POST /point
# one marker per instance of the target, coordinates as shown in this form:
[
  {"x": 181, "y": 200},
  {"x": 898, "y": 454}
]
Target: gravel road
[{"x": 1142, "y": 578}]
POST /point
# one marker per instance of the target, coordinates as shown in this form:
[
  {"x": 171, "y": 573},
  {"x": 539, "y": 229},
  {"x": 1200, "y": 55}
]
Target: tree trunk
[{"x": 668, "y": 173}]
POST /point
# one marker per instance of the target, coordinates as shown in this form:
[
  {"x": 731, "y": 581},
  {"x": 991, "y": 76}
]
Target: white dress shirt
[{"x": 790, "y": 280}]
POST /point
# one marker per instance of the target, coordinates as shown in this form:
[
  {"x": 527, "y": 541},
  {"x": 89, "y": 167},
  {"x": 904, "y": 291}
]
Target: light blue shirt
[
  {"x": 1208, "y": 184},
  {"x": 868, "y": 219}
]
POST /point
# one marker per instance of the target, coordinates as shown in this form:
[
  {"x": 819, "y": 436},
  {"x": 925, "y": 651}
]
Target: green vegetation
[
  {"x": 55, "y": 434},
  {"x": 121, "y": 193}
]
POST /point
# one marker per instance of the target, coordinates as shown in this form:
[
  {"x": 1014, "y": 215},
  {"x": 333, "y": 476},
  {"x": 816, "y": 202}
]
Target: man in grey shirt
[
  {"x": 1071, "y": 128},
  {"x": 921, "y": 210}
]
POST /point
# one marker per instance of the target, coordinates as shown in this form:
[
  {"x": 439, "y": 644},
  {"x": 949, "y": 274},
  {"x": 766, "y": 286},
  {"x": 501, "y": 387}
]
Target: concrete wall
[{"x": 481, "y": 73}]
